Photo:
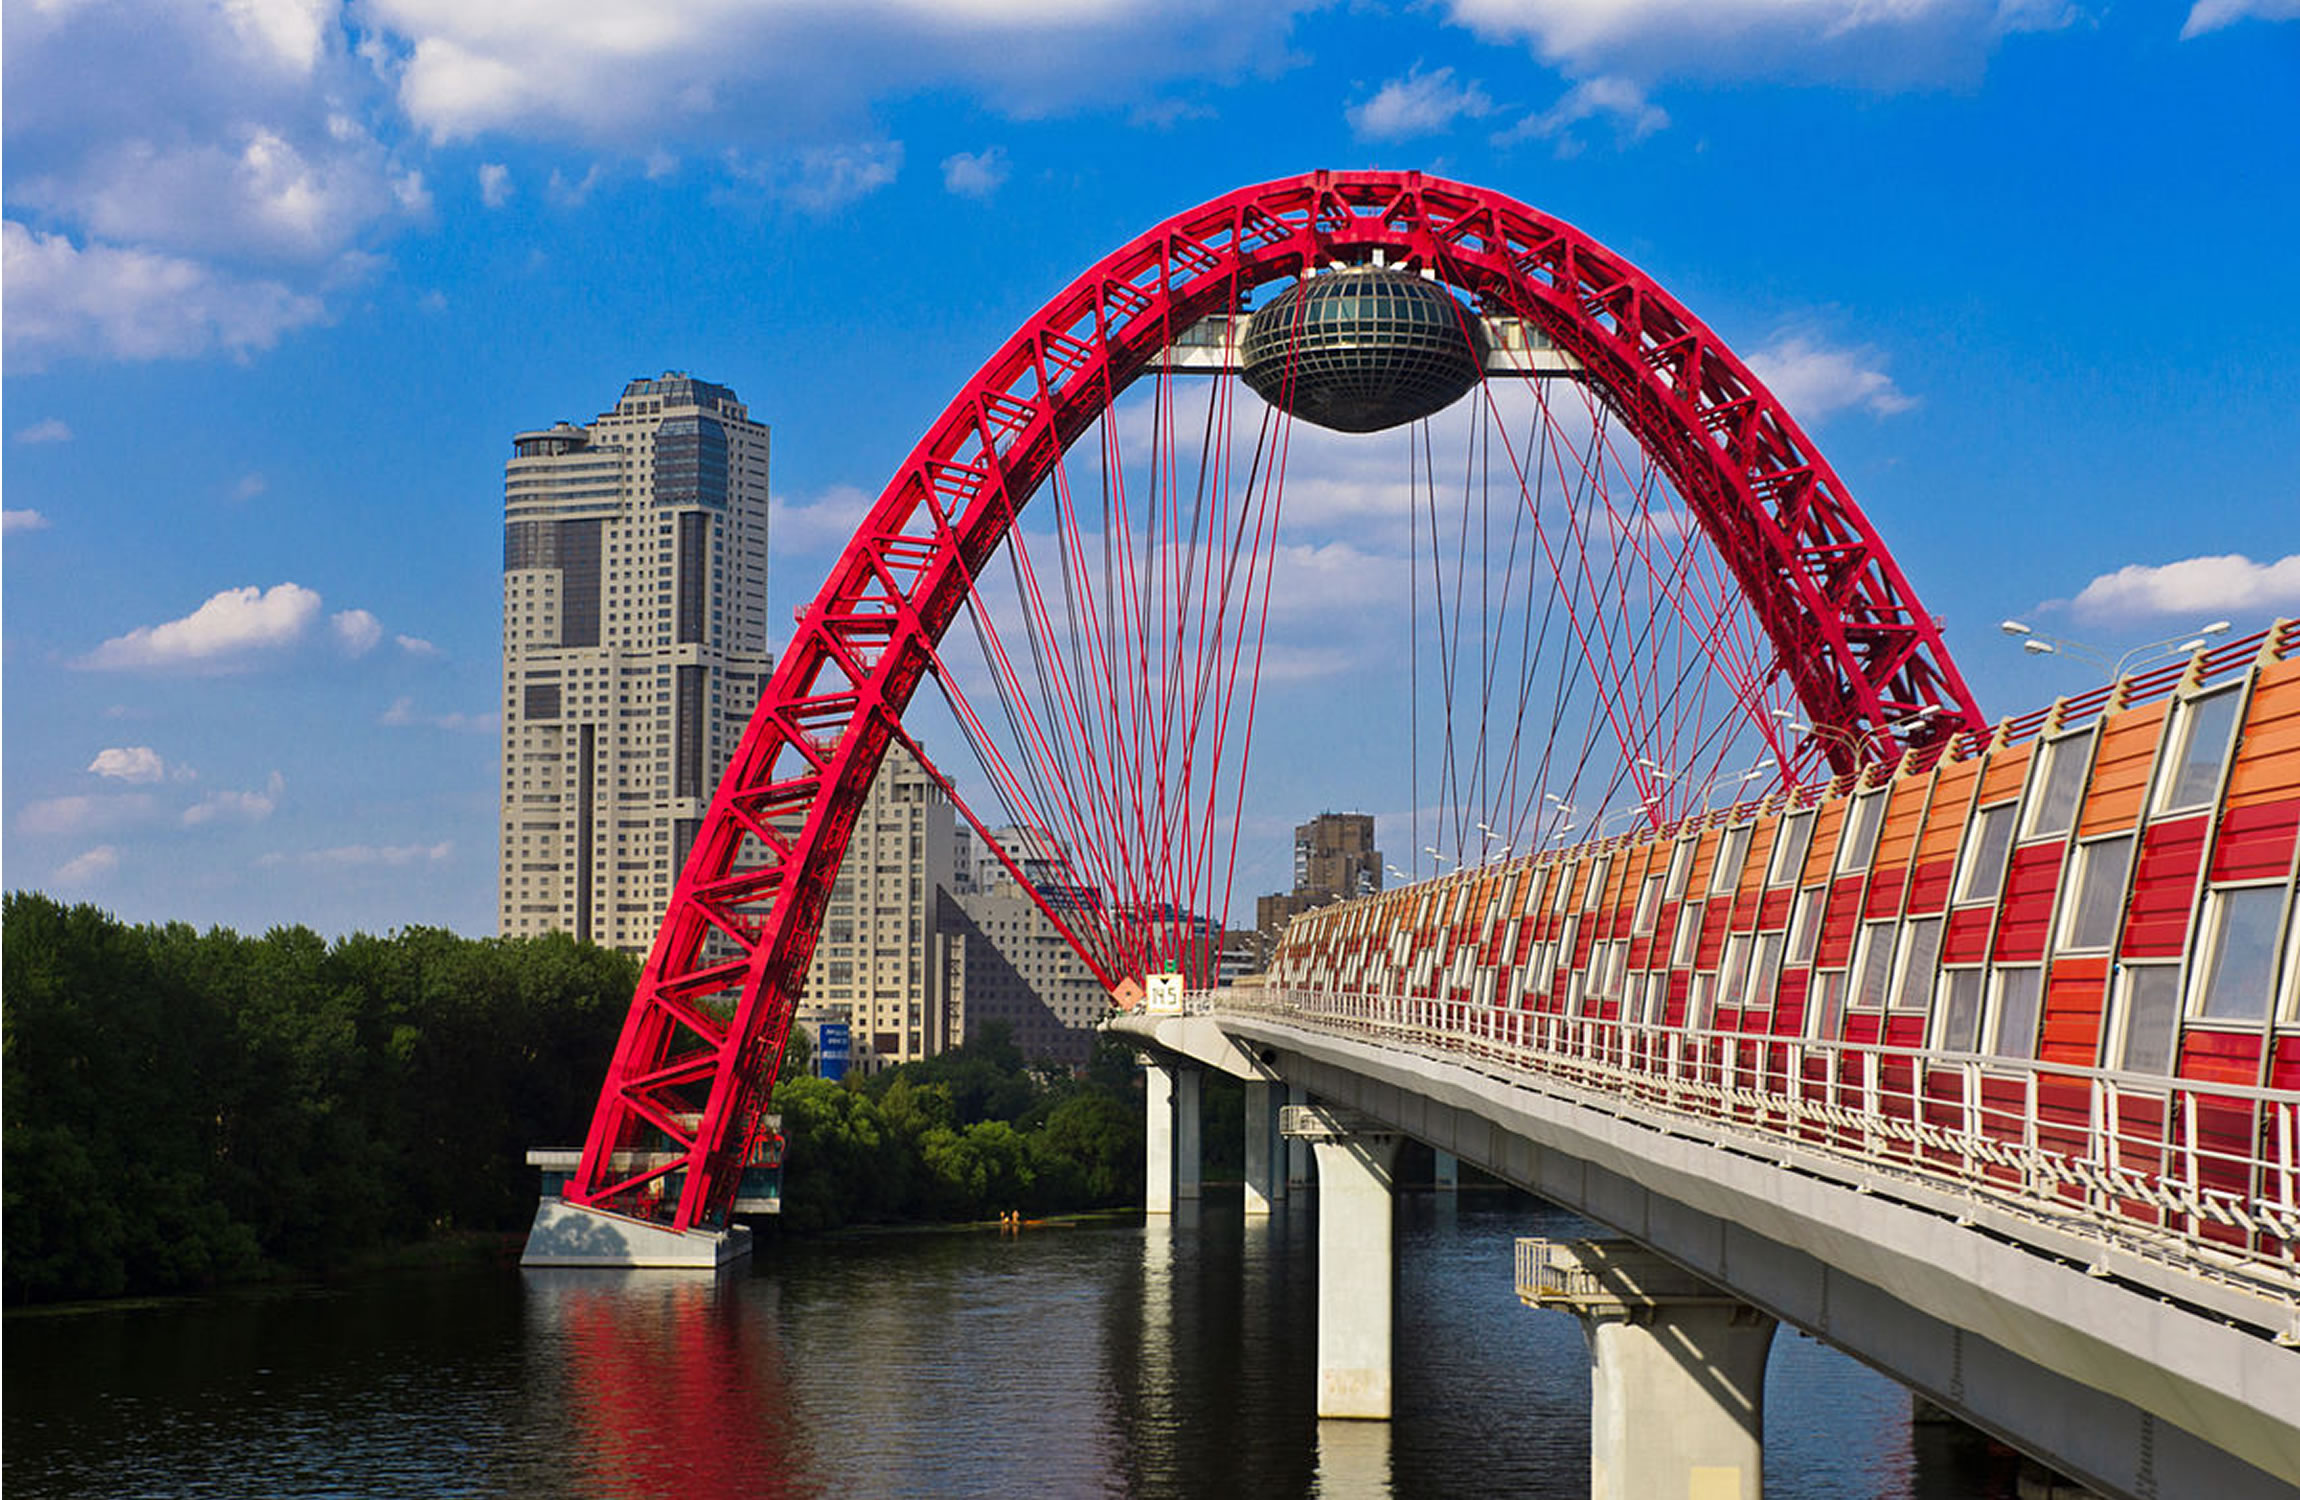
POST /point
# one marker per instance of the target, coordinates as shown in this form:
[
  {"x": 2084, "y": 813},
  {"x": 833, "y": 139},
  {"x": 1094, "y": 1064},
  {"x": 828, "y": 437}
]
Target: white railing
[{"x": 2209, "y": 1171}]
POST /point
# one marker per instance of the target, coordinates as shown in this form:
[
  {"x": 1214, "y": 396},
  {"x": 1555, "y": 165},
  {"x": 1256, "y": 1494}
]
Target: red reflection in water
[{"x": 675, "y": 1385}]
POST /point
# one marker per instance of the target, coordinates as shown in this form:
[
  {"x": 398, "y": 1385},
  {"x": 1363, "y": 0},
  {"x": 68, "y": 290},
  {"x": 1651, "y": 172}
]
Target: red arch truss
[{"x": 686, "y": 1094}]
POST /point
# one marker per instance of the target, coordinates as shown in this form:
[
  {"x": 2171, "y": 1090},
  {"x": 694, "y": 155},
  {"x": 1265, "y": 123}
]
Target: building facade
[
  {"x": 634, "y": 647},
  {"x": 1334, "y": 860},
  {"x": 1006, "y": 962},
  {"x": 880, "y": 959}
]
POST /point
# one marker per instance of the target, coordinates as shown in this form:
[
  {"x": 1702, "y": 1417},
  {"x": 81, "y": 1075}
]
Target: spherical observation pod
[
  {"x": 1363, "y": 348},
  {"x": 685, "y": 1099}
]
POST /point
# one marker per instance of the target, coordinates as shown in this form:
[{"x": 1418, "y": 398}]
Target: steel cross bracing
[{"x": 694, "y": 1068}]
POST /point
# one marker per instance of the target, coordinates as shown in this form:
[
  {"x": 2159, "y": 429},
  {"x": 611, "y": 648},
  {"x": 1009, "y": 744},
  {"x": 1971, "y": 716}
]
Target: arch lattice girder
[{"x": 730, "y": 959}]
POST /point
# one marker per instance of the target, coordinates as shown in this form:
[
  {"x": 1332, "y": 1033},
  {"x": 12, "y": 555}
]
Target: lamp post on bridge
[{"x": 2035, "y": 642}]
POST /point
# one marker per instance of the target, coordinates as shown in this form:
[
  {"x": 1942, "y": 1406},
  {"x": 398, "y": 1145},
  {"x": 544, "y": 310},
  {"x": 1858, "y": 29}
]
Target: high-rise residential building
[
  {"x": 634, "y": 646},
  {"x": 1006, "y": 961},
  {"x": 878, "y": 957},
  {"x": 1334, "y": 860}
]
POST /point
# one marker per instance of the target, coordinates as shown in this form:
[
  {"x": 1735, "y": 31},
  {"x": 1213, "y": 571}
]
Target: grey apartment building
[{"x": 634, "y": 646}]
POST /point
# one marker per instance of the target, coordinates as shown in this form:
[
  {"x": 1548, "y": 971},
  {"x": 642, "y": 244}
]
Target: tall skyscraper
[{"x": 634, "y": 647}]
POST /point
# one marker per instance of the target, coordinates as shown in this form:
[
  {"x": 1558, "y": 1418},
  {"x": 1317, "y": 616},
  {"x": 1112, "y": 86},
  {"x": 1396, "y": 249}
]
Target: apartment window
[
  {"x": 1688, "y": 939},
  {"x": 2148, "y": 1021},
  {"x": 1597, "y": 875},
  {"x": 2238, "y": 955},
  {"x": 1864, "y": 820},
  {"x": 2201, "y": 729},
  {"x": 1736, "y": 970},
  {"x": 1805, "y": 925},
  {"x": 1701, "y": 1002},
  {"x": 1981, "y": 873},
  {"x": 2019, "y": 1007},
  {"x": 1872, "y": 965},
  {"x": 1920, "y": 953},
  {"x": 1826, "y": 1014},
  {"x": 1767, "y": 977},
  {"x": 1648, "y": 906},
  {"x": 1789, "y": 848},
  {"x": 1681, "y": 866},
  {"x": 2059, "y": 785},
  {"x": 1731, "y": 855},
  {"x": 2096, "y": 894},
  {"x": 1959, "y": 1026}
]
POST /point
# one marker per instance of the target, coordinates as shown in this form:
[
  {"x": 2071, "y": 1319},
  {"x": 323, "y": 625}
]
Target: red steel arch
[{"x": 686, "y": 1094}]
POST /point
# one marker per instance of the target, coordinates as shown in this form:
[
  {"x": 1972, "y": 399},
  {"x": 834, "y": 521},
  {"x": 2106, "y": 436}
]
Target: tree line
[
  {"x": 181, "y": 1109},
  {"x": 971, "y": 1133}
]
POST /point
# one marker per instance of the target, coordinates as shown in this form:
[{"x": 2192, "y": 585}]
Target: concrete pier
[
  {"x": 1189, "y": 1138},
  {"x": 1445, "y": 1172},
  {"x": 1265, "y": 1149},
  {"x": 1676, "y": 1370},
  {"x": 1297, "y": 1152},
  {"x": 1158, "y": 1142},
  {"x": 1357, "y": 1161},
  {"x": 1171, "y": 1154},
  {"x": 568, "y": 1234}
]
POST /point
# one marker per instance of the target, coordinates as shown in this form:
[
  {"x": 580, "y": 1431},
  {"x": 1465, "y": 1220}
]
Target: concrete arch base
[{"x": 567, "y": 1234}]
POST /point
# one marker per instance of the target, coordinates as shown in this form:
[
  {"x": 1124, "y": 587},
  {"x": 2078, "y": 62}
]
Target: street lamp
[{"x": 2037, "y": 643}]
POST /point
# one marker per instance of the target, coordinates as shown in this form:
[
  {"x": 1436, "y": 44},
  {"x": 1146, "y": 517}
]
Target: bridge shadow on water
[{"x": 1172, "y": 1359}]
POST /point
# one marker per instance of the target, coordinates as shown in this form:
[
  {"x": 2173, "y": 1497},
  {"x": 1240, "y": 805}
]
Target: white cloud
[
  {"x": 1885, "y": 42},
  {"x": 415, "y": 645},
  {"x": 825, "y": 523},
  {"x": 122, "y": 303},
  {"x": 2232, "y": 585},
  {"x": 246, "y": 807},
  {"x": 650, "y": 76},
  {"x": 565, "y": 194},
  {"x": 2211, "y": 15},
  {"x": 14, "y": 521},
  {"x": 223, "y": 633},
  {"x": 1417, "y": 104},
  {"x": 822, "y": 179},
  {"x": 1815, "y": 381},
  {"x": 88, "y": 868},
  {"x": 84, "y": 814},
  {"x": 495, "y": 188},
  {"x": 137, "y": 764},
  {"x": 356, "y": 856},
  {"x": 402, "y": 715},
  {"x": 975, "y": 174},
  {"x": 53, "y": 430},
  {"x": 1614, "y": 99},
  {"x": 250, "y": 486},
  {"x": 257, "y": 193},
  {"x": 189, "y": 152},
  {"x": 356, "y": 631}
]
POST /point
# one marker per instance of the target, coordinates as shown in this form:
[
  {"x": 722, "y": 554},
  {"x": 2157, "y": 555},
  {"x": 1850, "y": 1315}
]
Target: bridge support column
[
  {"x": 1158, "y": 1143},
  {"x": 1189, "y": 1153},
  {"x": 1676, "y": 1370},
  {"x": 1357, "y": 1161},
  {"x": 1171, "y": 1146},
  {"x": 1297, "y": 1151},
  {"x": 1265, "y": 1149},
  {"x": 1446, "y": 1173}
]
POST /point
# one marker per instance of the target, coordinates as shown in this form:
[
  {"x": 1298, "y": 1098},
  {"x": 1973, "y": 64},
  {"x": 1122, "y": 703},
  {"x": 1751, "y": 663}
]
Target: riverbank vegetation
[
  {"x": 972, "y": 1133},
  {"x": 184, "y": 1109}
]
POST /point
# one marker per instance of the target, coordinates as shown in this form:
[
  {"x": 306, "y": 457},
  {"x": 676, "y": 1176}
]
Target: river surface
[{"x": 1109, "y": 1359}]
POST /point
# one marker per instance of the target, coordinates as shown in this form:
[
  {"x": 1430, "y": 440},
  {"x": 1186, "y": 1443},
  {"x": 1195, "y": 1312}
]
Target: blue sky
[{"x": 282, "y": 278}]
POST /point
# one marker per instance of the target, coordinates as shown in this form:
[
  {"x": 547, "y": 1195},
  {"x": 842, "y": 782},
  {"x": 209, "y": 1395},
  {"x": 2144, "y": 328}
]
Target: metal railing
[{"x": 2203, "y": 1174}]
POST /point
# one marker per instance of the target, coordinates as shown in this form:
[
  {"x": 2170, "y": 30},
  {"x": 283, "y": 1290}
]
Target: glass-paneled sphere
[{"x": 1362, "y": 349}]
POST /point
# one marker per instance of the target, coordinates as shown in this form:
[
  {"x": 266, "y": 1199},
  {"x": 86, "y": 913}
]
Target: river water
[{"x": 1110, "y": 1359}]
